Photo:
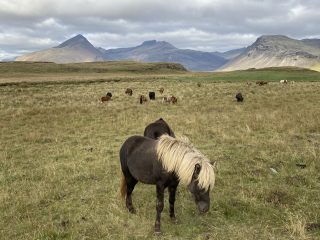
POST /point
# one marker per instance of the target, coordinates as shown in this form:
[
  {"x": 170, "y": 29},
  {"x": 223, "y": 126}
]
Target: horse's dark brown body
[
  {"x": 239, "y": 97},
  {"x": 139, "y": 162},
  {"x": 105, "y": 98},
  {"x": 147, "y": 169},
  {"x": 156, "y": 129},
  {"x": 129, "y": 91}
]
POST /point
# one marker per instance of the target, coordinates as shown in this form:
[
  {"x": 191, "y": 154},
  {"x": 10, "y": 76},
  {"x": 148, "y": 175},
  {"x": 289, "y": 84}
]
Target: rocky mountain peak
[
  {"x": 155, "y": 43},
  {"x": 76, "y": 41}
]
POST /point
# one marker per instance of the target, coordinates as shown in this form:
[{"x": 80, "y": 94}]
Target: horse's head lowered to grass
[{"x": 191, "y": 167}]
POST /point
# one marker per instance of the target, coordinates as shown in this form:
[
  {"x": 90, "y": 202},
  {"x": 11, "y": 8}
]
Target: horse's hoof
[
  {"x": 157, "y": 228},
  {"x": 132, "y": 210},
  {"x": 174, "y": 220}
]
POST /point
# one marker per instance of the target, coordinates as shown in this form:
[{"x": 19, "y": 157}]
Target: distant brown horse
[
  {"x": 171, "y": 99},
  {"x": 128, "y": 91},
  {"x": 174, "y": 100},
  {"x": 260, "y": 83},
  {"x": 142, "y": 99},
  {"x": 105, "y": 98},
  {"x": 161, "y": 90}
]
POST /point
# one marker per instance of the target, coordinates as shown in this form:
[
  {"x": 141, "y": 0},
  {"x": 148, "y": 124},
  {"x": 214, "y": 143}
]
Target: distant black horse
[
  {"x": 156, "y": 129},
  {"x": 165, "y": 162},
  {"x": 152, "y": 95},
  {"x": 239, "y": 97}
]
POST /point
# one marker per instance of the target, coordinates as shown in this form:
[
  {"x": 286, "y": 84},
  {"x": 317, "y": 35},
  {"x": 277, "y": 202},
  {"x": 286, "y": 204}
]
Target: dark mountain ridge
[{"x": 162, "y": 51}]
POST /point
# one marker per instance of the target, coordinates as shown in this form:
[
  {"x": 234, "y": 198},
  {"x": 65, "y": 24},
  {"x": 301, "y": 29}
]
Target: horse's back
[
  {"x": 138, "y": 158},
  {"x": 132, "y": 144},
  {"x": 137, "y": 148}
]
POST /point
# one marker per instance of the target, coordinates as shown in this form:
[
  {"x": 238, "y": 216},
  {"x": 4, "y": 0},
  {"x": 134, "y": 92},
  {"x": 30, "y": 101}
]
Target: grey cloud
[{"x": 28, "y": 25}]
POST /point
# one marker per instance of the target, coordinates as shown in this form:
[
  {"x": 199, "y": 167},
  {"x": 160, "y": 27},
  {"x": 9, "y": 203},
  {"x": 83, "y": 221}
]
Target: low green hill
[
  {"x": 92, "y": 67},
  {"x": 46, "y": 72}
]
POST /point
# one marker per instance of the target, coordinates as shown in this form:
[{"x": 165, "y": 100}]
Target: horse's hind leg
[
  {"x": 131, "y": 183},
  {"x": 160, "y": 200}
]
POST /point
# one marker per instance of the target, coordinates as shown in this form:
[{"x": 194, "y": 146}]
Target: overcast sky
[{"x": 208, "y": 25}]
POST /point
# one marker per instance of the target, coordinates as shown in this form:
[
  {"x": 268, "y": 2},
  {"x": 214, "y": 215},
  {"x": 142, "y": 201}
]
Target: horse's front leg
[
  {"x": 172, "y": 198},
  {"x": 160, "y": 199}
]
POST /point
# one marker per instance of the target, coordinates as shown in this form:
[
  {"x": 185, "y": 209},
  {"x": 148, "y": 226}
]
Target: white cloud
[
  {"x": 198, "y": 24},
  {"x": 11, "y": 40},
  {"x": 50, "y": 23}
]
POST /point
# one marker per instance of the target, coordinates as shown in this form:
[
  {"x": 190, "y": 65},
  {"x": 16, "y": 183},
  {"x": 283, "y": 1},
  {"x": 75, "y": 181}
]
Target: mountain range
[
  {"x": 79, "y": 49},
  {"x": 161, "y": 51},
  {"x": 266, "y": 51}
]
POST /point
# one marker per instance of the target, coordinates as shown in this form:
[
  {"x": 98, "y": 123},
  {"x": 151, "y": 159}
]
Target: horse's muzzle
[{"x": 203, "y": 207}]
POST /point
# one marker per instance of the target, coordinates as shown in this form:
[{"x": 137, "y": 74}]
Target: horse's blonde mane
[{"x": 179, "y": 156}]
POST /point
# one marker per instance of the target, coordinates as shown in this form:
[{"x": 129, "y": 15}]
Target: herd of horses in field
[
  {"x": 142, "y": 98},
  {"x": 159, "y": 158},
  {"x": 282, "y": 81},
  {"x": 173, "y": 100}
]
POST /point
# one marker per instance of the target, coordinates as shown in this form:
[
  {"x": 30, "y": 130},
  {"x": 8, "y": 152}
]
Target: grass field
[{"x": 59, "y": 160}]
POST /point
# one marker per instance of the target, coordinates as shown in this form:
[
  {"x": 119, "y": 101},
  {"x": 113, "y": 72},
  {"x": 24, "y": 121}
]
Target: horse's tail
[{"x": 123, "y": 187}]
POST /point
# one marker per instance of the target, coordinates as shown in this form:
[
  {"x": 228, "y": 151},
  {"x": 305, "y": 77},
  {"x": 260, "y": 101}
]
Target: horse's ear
[{"x": 197, "y": 169}]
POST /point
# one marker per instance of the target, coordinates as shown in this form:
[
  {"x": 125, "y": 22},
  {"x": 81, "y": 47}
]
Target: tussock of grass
[{"x": 60, "y": 173}]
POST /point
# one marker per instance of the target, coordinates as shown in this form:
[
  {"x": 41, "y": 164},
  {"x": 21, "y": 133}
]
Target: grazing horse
[
  {"x": 142, "y": 99},
  {"x": 239, "y": 97},
  {"x": 152, "y": 95},
  {"x": 165, "y": 100},
  {"x": 284, "y": 81},
  {"x": 128, "y": 91},
  {"x": 105, "y": 98},
  {"x": 156, "y": 129},
  {"x": 261, "y": 83},
  {"x": 165, "y": 162},
  {"x": 161, "y": 90},
  {"x": 173, "y": 99}
]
